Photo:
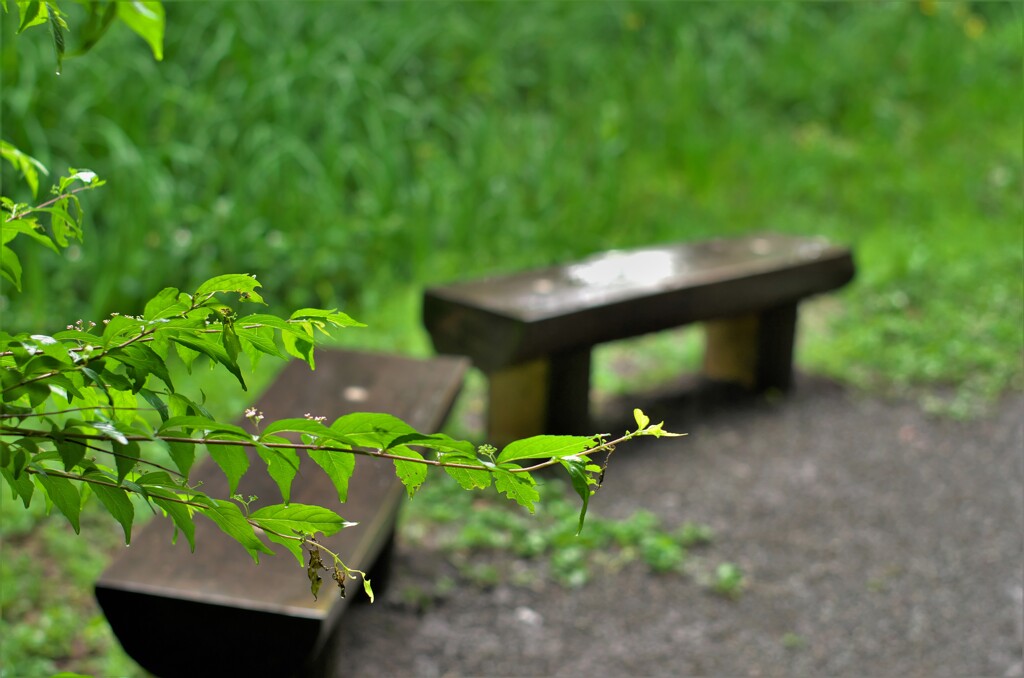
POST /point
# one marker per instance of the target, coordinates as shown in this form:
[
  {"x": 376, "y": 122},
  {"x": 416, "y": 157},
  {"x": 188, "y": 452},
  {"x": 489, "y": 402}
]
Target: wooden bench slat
[
  {"x": 509, "y": 319},
  {"x": 532, "y": 332},
  {"x": 218, "y": 590}
]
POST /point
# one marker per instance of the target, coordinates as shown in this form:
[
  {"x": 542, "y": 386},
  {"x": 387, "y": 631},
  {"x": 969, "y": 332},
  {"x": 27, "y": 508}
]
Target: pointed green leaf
[
  {"x": 117, "y": 504},
  {"x": 20, "y": 487},
  {"x": 233, "y": 282},
  {"x": 214, "y": 351},
  {"x": 125, "y": 457},
  {"x": 166, "y": 304},
  {"x": 580, "y": 483},
  {"x": 147, "y": 20},
  {"x": 120, "y": 328},
  {"x": 71, "y": 451},
  {"x": 10, "y": 266},
  {"x": 338, "y": 466},
  {"x": 294, "y": 546},
  {"x": 642, "y": 420},
  {"x": 298, "y": 519},
  {"x": 282, "y": 466},
  {"x": 209, "y": 426},
  {"x": 410, "y": 473},
  {"x": 183, "y": 455},
  {"x": 299, "y": 425},
  {"x": 368, "y": 588},
  {"x": 371, "y": 429},
  {"x": 518, "y": 487},
  {"x": 232, "y": 460},
  {"x": 299, "y": 347},
  {"x": 470, "y": 479},
  {"x": 181, "y": 516},
  {"x": 231, "y": 521},
  {"x": 64, "y": 496},
  {"x": 544, "y": 447}
]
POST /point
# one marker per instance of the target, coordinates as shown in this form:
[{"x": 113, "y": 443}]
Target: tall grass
[{"x": 350, "y": 153}]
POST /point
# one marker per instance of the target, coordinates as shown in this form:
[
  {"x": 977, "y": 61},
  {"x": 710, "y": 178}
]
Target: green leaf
[
  {"x": 214, "y": 351},
  {"x": 544, "y": 447},
  {"x": 108, "y": 430},
  {"x": 183, "y": 455},
  {"x": 300, "y": 348},
  {"x": 147, "y": 20},
  {"x": 368, "y": 588},
  {"x": 580, "y": 483},
  {"x": 99, "y": 20},
  {"x": 371, "y": 429},
  {"x": 282, "y": 466},
  {"x": 143, "y": 361},
  {"x": 257, "y": 341},
  {"x": 231, "y": 521},
  {"x": 57, "y": 27},
  {"x": 298, "y": 519},
  {"x": 209, "y": 427},
  {"x": 181, "y": 516},
  {"x": 517, "y": 486},
  {"x": 232, "y": 460},
  {"x": 64, "y": 496},
  {"x": 642, "y": 420},
  {"x": 338, "y": 466},
  {"x": 156, "y": 403},
  {"x": 319, "y": 317},
  {"x": 126, "y": 457},
  {"x": 166, "y": 304},
  {"x": 120, "y": 328},
  {"x": 32, "y": 14},
  {"x": 118, "y": 505},
  {"x": 410, "y": 473},
  {"x": 241, "y": 283},
  {"x": 10, "y": 266},
  {"x": 300, "y": 425},
  {"x": 24, "y": 163},
  {"x": 468, "y": 478},
  {"x": 293, "y": 546},
  {"x": 20, "y": 487},
  {"x": 71, "y": 451}
]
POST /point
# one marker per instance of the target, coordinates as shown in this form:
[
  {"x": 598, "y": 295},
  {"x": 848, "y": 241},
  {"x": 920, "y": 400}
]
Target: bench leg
[
  {"x": 548, "y": 395},
  {"x": 755, "y": 351}
]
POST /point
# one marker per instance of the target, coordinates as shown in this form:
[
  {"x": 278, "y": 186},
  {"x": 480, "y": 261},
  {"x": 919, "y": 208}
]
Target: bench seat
[
  {"x": 261, "y": 620},
  {"x": 532, "y": 332}
]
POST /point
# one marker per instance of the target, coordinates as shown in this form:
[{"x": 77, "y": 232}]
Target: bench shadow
[{"x": 689, "y": 399}]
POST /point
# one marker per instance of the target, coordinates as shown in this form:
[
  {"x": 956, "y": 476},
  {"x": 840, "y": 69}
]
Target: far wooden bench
[
  {"x": 235, "y": 618},
  {"x": 532, "y": 332}
]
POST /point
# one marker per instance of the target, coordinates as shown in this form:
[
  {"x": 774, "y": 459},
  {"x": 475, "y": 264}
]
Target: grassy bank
[{"x": 351, "y": 153}]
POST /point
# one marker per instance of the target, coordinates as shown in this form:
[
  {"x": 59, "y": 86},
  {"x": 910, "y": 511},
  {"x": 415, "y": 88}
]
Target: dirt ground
[{"x": 877, "y": 541}]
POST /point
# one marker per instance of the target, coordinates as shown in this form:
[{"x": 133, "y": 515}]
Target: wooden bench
[
  {"x": 242, "y": 619},
  {"x": 532, "y": 332}
]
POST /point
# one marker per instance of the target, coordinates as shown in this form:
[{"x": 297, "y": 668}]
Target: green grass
[{"x": 350, "y": 154}]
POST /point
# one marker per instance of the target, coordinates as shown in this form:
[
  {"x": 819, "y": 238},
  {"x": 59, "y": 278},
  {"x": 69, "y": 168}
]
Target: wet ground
[{"x": 877, "y": 541}]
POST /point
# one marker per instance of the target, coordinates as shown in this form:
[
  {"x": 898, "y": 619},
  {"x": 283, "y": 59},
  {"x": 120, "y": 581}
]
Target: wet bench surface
[
  {"x": 248, "y": 619},
  {"x": 532, "y": 332}
]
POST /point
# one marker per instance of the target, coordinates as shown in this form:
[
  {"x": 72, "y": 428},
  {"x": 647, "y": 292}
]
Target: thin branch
[{"x": 367, "y": 452}]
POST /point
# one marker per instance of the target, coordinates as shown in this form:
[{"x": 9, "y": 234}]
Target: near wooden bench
[
  {"x": 532, "y": 332},
  {"x": 236, "y": 618}
]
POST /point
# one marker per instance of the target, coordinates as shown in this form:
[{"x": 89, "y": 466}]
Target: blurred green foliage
[{"x": 350, "y": 153}]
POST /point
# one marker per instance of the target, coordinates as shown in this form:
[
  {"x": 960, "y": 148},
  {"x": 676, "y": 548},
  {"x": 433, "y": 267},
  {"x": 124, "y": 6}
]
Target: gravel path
[{"x": 877, "y": 541}]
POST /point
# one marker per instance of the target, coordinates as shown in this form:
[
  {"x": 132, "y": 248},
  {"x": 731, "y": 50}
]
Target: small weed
[
  {"x": 462, "y": 524},
  {"x": 729, "y": 580},
  {"x": 793, "y": 641}
]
